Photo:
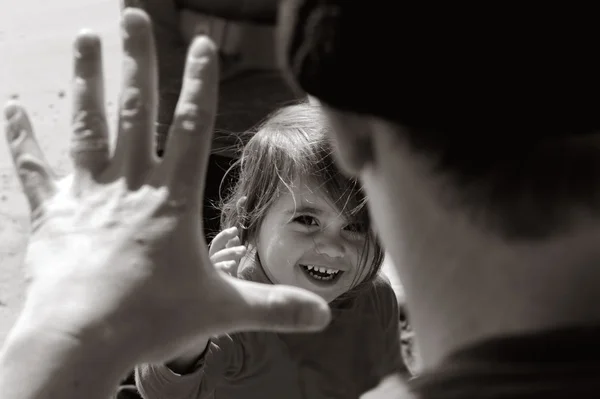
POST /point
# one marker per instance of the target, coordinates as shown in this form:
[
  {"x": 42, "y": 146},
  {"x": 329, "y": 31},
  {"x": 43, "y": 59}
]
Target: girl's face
[{"x": 304, "y": 241}]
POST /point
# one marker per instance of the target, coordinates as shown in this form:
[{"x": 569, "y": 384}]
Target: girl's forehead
[{"x": 305, "y": 196}]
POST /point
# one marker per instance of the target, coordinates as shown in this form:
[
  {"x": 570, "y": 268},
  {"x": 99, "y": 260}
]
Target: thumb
[{"x": 277, "y": 308}]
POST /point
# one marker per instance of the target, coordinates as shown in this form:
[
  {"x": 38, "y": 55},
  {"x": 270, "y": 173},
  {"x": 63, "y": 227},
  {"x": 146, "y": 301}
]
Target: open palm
[{"x": 117, "y": 247}]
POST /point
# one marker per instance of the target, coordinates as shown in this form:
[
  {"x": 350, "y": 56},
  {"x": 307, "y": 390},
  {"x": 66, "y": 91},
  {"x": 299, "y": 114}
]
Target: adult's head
[{"x": 474, "y": 134}]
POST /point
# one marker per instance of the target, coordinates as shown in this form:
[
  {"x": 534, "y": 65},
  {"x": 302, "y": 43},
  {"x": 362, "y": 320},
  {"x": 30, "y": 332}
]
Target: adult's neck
[{"x": 465, "y": 283}]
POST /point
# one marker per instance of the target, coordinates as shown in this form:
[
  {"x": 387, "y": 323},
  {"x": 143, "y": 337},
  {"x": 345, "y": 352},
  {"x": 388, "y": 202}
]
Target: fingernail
[
  {"x": 11, "y": 111},
  {"x": 135, "y": 23},
  {"x": 33, "y": 175},
  {"x": 13, "y": 128},
  {"x": 87, "y": 43},
  {"x": 202, "y": 47}
]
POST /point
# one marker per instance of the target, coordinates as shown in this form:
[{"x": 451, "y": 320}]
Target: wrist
[
  {"x": 58, "y": 363},
  {"x": 45, "y": 313}
]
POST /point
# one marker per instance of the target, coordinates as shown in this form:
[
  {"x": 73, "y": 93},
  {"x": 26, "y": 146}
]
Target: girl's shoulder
[
  {"x": 380, "y": 299},
  {"x": 381, "y": 288}
]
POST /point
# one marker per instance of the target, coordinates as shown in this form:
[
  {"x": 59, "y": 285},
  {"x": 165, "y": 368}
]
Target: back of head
[
  {"x": 505, "y": 104},
  {"x": 481, "y": 154}
]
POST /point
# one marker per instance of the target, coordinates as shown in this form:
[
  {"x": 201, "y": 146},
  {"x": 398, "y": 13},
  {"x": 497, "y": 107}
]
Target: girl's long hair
[{"x": 293, "y": 144}]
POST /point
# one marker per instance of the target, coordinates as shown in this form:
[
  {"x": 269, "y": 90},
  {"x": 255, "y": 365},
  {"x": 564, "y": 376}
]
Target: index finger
[
  {"x": 171, "y": 53},
  {"x": 190, "y": 137}
]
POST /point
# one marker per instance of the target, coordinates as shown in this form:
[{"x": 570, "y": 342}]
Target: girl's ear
[{"x": 240, "y": 205}]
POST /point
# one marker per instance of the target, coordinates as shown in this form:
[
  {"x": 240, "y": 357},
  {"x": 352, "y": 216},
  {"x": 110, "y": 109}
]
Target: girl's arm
[
  {"x": 389, "y": 365},
  {"x": 186, "y": 362},
  {"x": 194, "y": 375},
  {"x": 389, "y": 315},
  {"x": 183, "y": 376}
]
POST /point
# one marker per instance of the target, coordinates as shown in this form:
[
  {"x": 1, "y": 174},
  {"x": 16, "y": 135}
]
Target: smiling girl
[{"x": 299, "y": 222}]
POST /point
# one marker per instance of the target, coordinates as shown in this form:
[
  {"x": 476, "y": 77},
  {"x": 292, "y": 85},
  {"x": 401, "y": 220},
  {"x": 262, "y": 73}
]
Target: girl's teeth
[
  {"x": 322, "y": 269},
  {"x": 329, "y": 273}
]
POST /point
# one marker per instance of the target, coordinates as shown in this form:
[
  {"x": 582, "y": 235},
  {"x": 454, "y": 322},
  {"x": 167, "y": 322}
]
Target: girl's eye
[
  {"x": 356, "y": 228},
  {"x": 306, "y": 220}
]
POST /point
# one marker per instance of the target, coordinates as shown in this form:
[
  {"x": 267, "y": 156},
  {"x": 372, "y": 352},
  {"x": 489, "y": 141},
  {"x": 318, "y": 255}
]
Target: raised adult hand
[
  {"x": 171, "y": 53},
  {"x": 117, "y": 254}
]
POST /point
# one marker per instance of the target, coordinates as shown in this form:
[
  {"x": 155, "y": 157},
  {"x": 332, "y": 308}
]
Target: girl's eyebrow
[{"x": 305, "y": 209}]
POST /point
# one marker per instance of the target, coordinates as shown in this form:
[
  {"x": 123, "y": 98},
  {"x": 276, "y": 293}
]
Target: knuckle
[
  {"x": 89, "y": 132},
  {"x": 193, "y": 119},
  {"x": 88, "y": 123},
  {"x": 87, "y": 67},
  {"x": 132, "y": 103},
  {"x": 36, "y": 181},
  {"x": 32, "y": 174},
  {"x": 197, "y": 69}
]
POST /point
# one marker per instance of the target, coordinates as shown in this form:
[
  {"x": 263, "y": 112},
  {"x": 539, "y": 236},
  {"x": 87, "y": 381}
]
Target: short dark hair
[
  {"x": 523, "y": 189},
  {"x": 501, "y": 102}
]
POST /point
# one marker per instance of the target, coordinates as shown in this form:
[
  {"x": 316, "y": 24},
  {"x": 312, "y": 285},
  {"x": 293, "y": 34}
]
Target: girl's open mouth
[{"x": 321, "y": 274}]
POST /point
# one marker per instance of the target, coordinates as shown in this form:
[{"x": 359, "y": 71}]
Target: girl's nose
[{"x": 330, "y": 246}]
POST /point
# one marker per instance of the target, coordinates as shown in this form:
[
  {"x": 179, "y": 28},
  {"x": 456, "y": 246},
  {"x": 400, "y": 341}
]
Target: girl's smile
[
  {"x": 321, "y": 274},
  {"x": 305, "y": 241}
]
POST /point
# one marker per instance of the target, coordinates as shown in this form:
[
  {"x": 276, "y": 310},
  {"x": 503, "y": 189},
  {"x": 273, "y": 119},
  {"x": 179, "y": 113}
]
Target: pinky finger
[
  {"x": 229, "y": 267},
  {"x": 31, "y": 166}
]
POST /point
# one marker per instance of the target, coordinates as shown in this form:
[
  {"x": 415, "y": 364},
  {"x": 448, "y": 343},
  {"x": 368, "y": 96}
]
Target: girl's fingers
[
  {"x": 228, "y": 254},
  {"x": 229, "y": 267},
  {"x": 220, "y": 241},
  {"x": 234, "y": 242}
]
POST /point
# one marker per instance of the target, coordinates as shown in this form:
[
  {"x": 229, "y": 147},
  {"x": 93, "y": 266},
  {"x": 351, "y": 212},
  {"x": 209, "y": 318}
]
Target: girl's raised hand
[{"x": 226, "y": 251}]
